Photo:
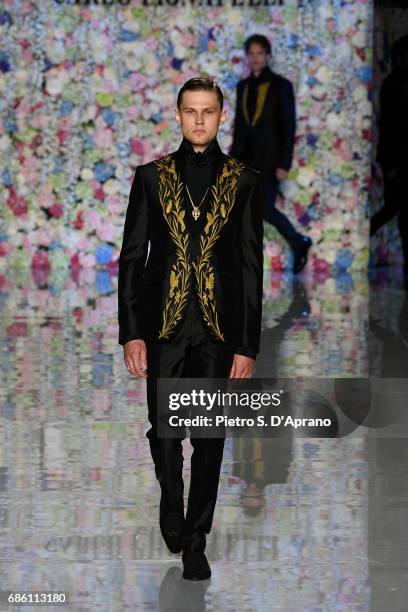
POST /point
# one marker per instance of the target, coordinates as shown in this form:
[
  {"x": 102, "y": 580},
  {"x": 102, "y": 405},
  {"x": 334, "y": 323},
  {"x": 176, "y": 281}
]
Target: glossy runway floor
[{"x": 300, "y": 525}]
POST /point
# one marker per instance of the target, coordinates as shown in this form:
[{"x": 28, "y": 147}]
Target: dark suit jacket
[
  {"x": 392, "y": 151},
  {"x": 271, "y": 131},
  {"x": 223, "y": 262}
]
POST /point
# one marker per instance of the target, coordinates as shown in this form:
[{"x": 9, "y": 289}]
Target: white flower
[
  {"x": 323, "y": 74},
  {"x": 87, "y": 174},
  {"x": 334, "y": 121},
  {"x": 111, "y": 186},
  {"x": 359, "y": 39},
  {"x": 305, "y": 176},
  {"x": 5, "y": 142}
]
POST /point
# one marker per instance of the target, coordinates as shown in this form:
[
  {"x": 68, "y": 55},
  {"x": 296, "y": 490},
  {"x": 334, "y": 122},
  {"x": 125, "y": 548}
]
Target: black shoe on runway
[
  {"x": 172, "y": 527},
  {"x": 196, "y": 566},
  {"x": 300, "y": 255}
]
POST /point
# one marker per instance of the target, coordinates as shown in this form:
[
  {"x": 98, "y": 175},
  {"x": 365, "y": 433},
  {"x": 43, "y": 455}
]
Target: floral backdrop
[
  {"x": 88, "y": 92},
  {"x": 389, "y": 25}
]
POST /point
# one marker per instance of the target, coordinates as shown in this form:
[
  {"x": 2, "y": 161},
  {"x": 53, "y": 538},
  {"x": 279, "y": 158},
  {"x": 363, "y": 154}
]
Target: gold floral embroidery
[
  {"x": 260, "y": 101},
  {"x": 170, "y": 194},
  {"x": 223, "y": 200}
]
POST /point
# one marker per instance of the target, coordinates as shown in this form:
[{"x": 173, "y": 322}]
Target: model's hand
[
  {"x": 135, "y": 356},
  {"x": 281, "y": 174},
  {"x": 242, "y": 367}
]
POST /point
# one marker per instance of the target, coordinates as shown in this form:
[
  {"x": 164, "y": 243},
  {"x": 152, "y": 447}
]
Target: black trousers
[
  {"x": 395, "y": 203},
  {"x": 183, "y": 359},
  {"x": 274, "y": 216}
]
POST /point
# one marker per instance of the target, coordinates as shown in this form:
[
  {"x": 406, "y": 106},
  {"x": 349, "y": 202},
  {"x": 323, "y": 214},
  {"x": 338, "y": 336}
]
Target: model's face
[
  {"x": 257, "y": 57},
  {"x": 199, "y": 117}
]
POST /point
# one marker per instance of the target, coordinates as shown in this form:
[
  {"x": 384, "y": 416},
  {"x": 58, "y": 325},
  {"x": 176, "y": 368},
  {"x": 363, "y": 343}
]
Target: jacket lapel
[{"x": 226, "y": 172}]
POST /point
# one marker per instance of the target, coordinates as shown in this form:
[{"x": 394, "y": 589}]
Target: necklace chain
[{"x": 196, "y": 212}]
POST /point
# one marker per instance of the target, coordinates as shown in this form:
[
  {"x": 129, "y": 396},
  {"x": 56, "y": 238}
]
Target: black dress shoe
[
  {"x": 196, "y": 566},
  {"x": 172, "y": 527},
  {"x": 300, "y": 255}
]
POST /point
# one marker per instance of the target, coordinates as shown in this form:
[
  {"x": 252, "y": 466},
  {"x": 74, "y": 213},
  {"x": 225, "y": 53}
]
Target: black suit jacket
[
  {"x": 271, "y": 131},
  {"x": 222, "y": 263}
]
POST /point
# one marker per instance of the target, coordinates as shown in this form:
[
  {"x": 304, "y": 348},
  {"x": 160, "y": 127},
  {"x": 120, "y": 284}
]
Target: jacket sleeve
[
  {"x": 132, "y": 261},
  {"x": 247, "y": 352},
  {"x": 389, "y": 127},
  {"x": 250, "y": 245},
  {"x": 288, "y": 123}
]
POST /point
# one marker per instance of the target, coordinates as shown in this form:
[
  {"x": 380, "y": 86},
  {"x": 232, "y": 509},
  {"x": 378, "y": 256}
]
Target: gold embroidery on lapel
[
  {"x": 260, "y": 101},
  {"x": 170, "y": 194},
  {"x": 223, "y": 193}
]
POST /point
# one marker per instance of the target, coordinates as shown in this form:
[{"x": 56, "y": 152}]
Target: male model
[
  {"x": 191, "y": 305},
  {"x": 264, "y": 136},
  {"x": 392, "y": 151}
]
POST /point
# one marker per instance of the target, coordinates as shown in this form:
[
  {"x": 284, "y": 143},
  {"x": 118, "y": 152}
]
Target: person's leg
[
  {"x": 274, "y": 216},
  {"x": 166, "y": 361},
  {"x": 390, "y": 208},
  {"x": 209, "y": 360},
  {"x": 299, "y": 243}
]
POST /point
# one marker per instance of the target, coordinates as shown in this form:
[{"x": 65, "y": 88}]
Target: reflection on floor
[{"x": 300, "y": 524}]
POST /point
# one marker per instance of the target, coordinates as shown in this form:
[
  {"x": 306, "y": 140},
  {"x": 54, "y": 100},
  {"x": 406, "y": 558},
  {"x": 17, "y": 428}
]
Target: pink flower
[
  {"x": 17, "y": 203},
  {"x": 57, "y": 210},
  {"x": 320, "y": 265},
  {"x": 137, "y": 146},
  {"x": 273, "y": 249},
  {"x": 17, "y": 330},
  {"x": 40, "y": 260},
  {"x": 104, "y": 138},
  {"x": 107, "y": 232}
]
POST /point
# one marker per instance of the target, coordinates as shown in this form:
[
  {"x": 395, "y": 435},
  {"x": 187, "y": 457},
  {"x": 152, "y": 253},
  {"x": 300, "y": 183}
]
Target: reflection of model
[
  {"x": 392, "y": 153},
  {"x": 194, "y": 308},
  {"x": 264, "y": 136}
]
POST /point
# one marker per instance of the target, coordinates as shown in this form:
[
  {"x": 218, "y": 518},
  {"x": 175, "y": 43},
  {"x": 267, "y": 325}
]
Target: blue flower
[
  {"x": 55, "y": 244},
  {"x": 7, "y": 179},
  {"x": 344, "y": 283},
  {"x": 344, "y": 259},
  {"x": 4, "y": 62},
  {"x": 10, "y": 125},
  {"x": 123, "y": 149},
  {"x": 104, "y": 253},
  {"x": 293, "y": 41},
  {"x": 5, "y": 19},
  {"x": 127, "y": 35},
  {"x": 335, "y": 179},
  {"x": 176, "y": 63},
  {"x": 312, "y": 211},
  {"x": 156, "y": 117},
  {"x": 313, "y": 50},
  {"x": 311, "y": 81},
  {"x": 311, "y": 140},
  {"x": 65, "y": 108},
  {"x": 109, "y": 116},
  {"x": 104, "y": 171},
  {"x": 203, "y": 44},
  {"x": 230, "y": 80},
  {"x": 364, "y": 73},
  {"x": 103, "y": 282}
]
